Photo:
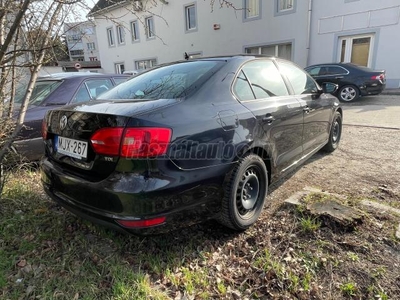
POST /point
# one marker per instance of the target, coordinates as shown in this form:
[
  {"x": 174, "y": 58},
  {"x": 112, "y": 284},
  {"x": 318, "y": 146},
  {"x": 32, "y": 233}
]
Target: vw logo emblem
[{"x": 63, "y": 122}]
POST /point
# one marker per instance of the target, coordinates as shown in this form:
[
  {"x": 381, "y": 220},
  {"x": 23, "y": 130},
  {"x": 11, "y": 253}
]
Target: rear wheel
[
  {"x": 348, "y": 93},
  {"x": 245, "y": 191},
  {"x": 335, "y": 134}
]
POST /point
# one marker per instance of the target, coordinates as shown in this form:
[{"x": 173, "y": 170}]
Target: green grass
[
  {"x": 309, "y": 224},
  {"x": 349, "y": 289},
  {"x": 56, "y": 255}
]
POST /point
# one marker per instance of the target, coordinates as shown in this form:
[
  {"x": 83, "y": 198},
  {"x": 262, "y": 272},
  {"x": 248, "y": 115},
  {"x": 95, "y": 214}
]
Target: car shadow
[{"x": 178, "y": 248}]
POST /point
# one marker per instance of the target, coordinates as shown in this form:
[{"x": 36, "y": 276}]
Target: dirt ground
[
  {"x": 366, "y": 166},
  {"x": 367, "y": 159}
]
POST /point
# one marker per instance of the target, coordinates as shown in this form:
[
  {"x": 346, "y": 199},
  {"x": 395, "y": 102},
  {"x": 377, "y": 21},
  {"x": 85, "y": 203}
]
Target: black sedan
[
  {"x": 353, "y": 80},
  {"x": 54, "y": 91},
  {"x": 186, "y": 142}
]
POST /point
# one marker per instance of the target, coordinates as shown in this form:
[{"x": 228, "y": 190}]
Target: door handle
[
  {"x": 339, "y": 77},
  {"x": 306, "y": 109},
  {"x": 268, "y": 119}
]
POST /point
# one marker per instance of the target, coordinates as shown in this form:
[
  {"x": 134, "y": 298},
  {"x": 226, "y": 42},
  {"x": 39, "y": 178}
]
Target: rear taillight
[
  {"x": 145, "y": 142},
  {"x": 378, "y": 77},
  {"x": 141, "y": 223},
  {"x": 107, "y": 141},
  {"x": 137, "y": 142},
  {"x": 44, "y": 129}
]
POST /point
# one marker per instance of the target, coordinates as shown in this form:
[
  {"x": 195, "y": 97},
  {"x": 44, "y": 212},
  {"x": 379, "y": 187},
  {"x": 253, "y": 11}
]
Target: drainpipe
[{"x": 310, "y": 7}]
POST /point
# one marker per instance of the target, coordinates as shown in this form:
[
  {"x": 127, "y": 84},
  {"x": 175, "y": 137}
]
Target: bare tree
[{"x": 29, "y": 30}]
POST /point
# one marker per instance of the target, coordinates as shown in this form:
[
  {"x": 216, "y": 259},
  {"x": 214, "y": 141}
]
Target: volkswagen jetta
[{"x": 187, "y": 141}]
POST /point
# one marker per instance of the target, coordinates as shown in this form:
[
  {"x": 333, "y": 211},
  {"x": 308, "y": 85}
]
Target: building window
[
  {"x": 356, "y": 49},
  {"x": 94, "y": 58},
  {"x": 110, "y": 36},
  {"x": 119, "y": 68},
  {"x": 190, "y": 16},
  {"x": 280, "y": 50},
  {"x": 74, "y": 38},
  {"x": 149, "y": 27},
  {"x": 76, "y": 52},
  {"x": 145, "y": 64},
  {"x": 193, "y": 55},
  {"x": 91, "y": 46},
  {"x": 121, "y": 35},
  {"x": 252, "y": 9},
  {"x": 285, "y": 5},
  {"x": 135, "y": 31}
]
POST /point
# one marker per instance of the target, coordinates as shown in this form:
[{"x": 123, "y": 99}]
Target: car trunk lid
[{"x": 87, "y": 139}]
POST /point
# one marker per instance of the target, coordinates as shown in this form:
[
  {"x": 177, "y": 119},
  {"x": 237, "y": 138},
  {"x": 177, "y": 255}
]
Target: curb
[{"x": 391, "y": 92}]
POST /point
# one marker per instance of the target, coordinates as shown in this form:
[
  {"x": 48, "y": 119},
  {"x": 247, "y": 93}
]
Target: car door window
[
  {"x": 265, "y": 79},
  {"x": 242, "y": 88},
  {"x": 301, "y": 82},
  {"x": 336, "y": 71},
  {"x": 323, "y": 71}
]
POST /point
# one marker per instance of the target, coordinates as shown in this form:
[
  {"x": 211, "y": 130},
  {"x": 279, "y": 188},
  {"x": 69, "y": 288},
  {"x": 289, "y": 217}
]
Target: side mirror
[{"x": 329, "y": 87}]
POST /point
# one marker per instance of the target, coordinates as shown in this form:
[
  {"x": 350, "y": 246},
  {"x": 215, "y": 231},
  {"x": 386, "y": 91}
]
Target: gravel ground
[{"x": 366, "y": 159}]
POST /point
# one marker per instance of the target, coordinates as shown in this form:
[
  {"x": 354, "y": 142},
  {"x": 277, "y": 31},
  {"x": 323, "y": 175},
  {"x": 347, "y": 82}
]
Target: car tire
[
  {"x": 335, "y": 133},
  {"x": 246, "y": 187},
  {"x": 348, "y": 93}
]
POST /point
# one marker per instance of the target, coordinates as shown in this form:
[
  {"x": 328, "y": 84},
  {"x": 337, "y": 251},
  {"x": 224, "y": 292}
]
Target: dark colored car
[
  {"x": 186, "y": 142},
  {"x": 54, "y": 91},
  {"x": 353, "y": 80}
]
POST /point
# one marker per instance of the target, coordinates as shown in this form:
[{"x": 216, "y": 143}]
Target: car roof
[
  {"x": 215, "y": 58},
  {"x": 67, "y": 75},
  {"x": 229, "y": 57},
  {"x": 333, "y": 64}
]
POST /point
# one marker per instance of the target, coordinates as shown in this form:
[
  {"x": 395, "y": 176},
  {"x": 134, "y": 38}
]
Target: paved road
[{"x": 378, "y": 111}]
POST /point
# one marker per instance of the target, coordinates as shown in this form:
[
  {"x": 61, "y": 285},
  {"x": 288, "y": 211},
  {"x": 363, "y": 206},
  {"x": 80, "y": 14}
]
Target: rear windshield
[
  {"x": 165, "y": 82},
  {"x": 41, "y": 90}
]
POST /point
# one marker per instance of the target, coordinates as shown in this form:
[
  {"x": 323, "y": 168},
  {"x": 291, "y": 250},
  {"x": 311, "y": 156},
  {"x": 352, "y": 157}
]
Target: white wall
[
  {"x": 334, "y": 19},
  {"x": 172, "y": 41}
]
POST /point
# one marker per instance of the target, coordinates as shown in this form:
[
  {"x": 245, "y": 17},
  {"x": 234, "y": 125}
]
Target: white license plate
[{"x": 71, "y": 147}]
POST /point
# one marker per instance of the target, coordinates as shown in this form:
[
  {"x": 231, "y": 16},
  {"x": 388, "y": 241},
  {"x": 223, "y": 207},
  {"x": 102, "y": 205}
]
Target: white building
[
  {"x": 82, "y": 41},
  {"x": 139, "y": 34},
  {"x": 366, "y": 32}
]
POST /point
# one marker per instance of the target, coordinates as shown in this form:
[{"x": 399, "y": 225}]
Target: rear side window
[
  {"x": 91, "y": 89},
  {"x": 242, "y": 88},
  {"x": 40, "y": 92},
  {"x": 165, "y": 82},
  {"x": 264, "y": 79},
  {"x": 97, "y": 87},
  {"x": 301, "y": 82},
  {"x": 314, "y": 71},
  {"x": 119, "y": 80}
]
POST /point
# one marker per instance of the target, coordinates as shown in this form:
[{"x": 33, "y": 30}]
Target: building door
[{"x": 356, "y": 49}]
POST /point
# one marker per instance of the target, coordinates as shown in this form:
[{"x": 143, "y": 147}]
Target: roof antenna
[{"x": 186, "y": 56}]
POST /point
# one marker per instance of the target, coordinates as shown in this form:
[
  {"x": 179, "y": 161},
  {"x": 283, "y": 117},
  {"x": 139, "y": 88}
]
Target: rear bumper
[
  {"x": 119, "y": 198},
  {"x": 372, "y": 89},
  {"x": 30, "y": 149}
]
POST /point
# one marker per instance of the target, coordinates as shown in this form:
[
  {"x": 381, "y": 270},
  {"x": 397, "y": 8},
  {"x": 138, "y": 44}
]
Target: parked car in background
[
  {"x": 51, "y": 92},
  {"x": 353, "y": 80},
  {"x": 186, "y": 142},
  {"x": 131, "y": 72}
]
